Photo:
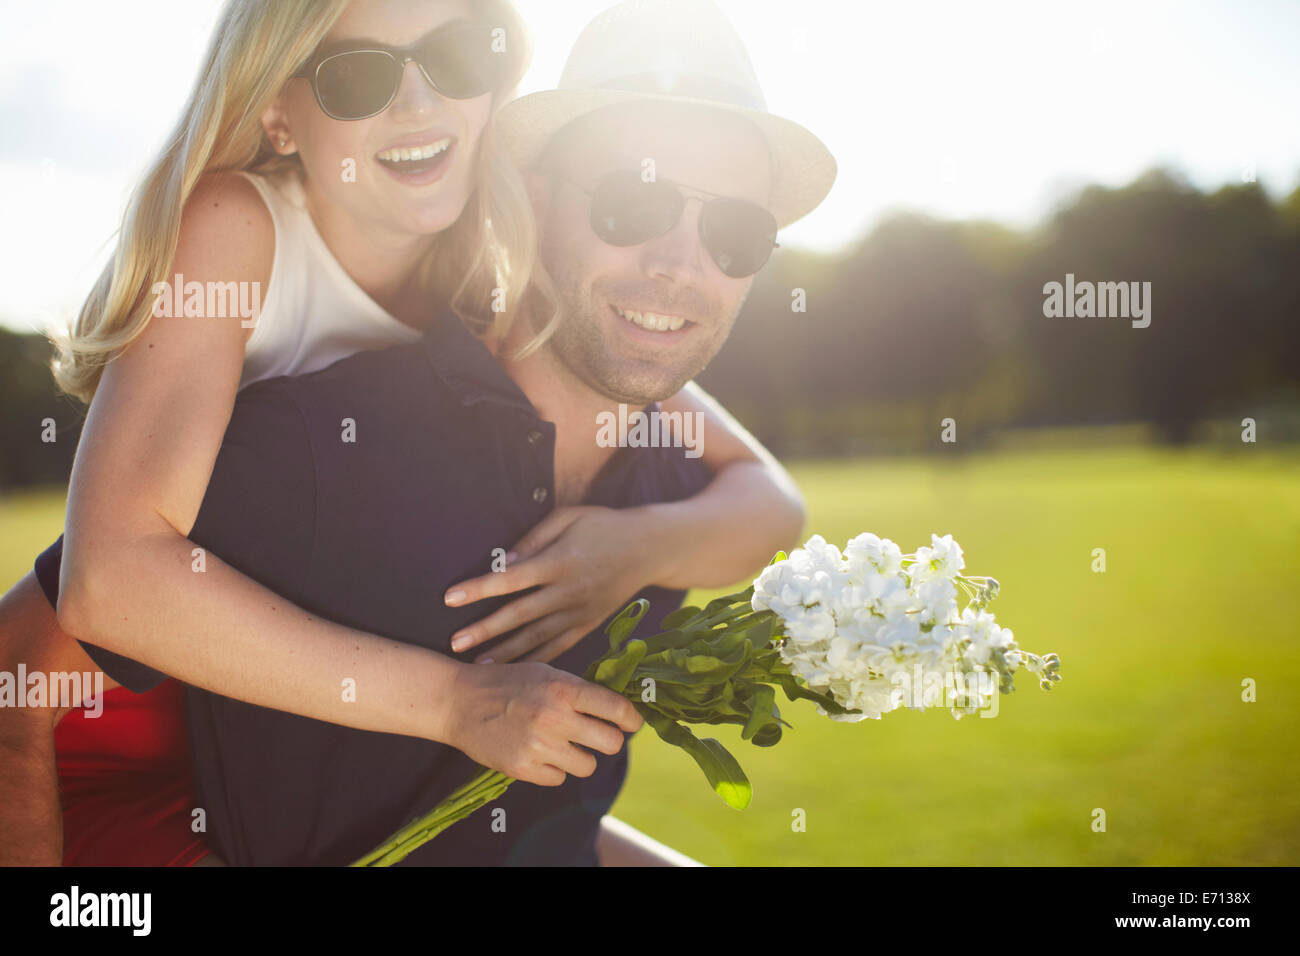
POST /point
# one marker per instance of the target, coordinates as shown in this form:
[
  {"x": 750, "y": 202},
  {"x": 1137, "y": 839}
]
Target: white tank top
[{"x": 312, "y": 313}]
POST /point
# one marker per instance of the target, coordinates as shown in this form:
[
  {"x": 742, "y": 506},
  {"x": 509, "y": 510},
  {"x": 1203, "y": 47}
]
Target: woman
[{"x": 363, "y": 192}]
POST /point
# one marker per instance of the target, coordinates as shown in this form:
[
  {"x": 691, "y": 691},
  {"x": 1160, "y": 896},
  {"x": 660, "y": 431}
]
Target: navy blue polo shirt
[{"x": 450, "y": 461}]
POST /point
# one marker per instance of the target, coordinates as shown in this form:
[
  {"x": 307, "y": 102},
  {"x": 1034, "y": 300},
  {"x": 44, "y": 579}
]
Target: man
[{"x": 659, "y": 182}]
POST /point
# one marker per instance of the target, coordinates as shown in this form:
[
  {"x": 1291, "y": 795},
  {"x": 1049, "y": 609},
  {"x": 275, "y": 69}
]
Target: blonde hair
[{"x": 484, "y": 259}]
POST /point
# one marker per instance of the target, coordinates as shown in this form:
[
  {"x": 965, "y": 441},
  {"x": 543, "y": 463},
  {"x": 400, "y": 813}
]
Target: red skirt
[{"x": 125, "y": 784}]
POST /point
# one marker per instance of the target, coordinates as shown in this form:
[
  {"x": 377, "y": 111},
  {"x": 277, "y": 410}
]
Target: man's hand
[
  {"x": 31, "y": 822},
  {"x": 530, "y": 721},
  {"x": 587, "y": 562}
]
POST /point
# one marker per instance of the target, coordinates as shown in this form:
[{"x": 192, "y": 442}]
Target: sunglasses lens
[
  {"x": 358, "y": 84},
  {"x": 626, "y": 211},
  {"x": 462, "y": 62},
  {"x": 738, "y": 234}
]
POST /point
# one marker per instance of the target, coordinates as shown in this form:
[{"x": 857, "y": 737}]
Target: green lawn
[{"x": 1147, "y": 723}]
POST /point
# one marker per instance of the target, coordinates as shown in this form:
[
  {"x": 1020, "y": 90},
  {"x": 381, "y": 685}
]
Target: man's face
[{"x": 674, "y": 276}]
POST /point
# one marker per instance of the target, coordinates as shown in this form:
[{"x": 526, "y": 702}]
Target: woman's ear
[{"x": 276, "y": 124}]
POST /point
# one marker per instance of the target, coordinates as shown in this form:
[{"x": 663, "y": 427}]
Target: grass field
[{"x": 1148, "y": 723}]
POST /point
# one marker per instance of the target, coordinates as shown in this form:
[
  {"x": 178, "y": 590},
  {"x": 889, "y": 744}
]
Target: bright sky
[{"x": 995, "y": 109}]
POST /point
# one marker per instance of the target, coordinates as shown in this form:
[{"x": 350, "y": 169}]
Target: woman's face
[{"x": 354, "y": 167}]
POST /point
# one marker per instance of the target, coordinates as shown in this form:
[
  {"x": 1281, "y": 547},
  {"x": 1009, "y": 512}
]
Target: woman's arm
[
  {"x": 128, "y": 582},
  {"x": 580, "y": 560},
  {"x": 142, "y": 467},
  {"x": 141, "y": 472}
]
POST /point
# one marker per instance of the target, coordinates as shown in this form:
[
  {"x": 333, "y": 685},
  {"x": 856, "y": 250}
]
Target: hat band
[{"x": 690, "y": 85}]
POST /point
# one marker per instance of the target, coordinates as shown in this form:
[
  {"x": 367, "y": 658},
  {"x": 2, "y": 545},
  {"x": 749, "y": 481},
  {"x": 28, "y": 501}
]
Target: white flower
[
  {"x": 809, "y": 625},
  {"x": 862, "y": 630},
  {"x": 899, "y": 631},
  {"x": 887, "y": 594},
  {"x": 875, "y": 697},
  {"x": 820, "y": 554},
  {"x": 939, "y": 598},
  {"x": 942, "y": 559},
  {"x": 942, "y": 642},
  {"x": 867, "y": 552}
]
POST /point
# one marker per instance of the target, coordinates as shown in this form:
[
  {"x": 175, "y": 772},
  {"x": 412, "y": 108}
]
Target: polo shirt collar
[{"x": 468, "y": 368}]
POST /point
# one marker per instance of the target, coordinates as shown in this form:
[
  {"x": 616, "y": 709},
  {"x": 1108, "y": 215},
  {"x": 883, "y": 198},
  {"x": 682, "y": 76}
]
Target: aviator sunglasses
[
  {"x": 627, "y": 211},
  {"x": 357, "y": 82}
]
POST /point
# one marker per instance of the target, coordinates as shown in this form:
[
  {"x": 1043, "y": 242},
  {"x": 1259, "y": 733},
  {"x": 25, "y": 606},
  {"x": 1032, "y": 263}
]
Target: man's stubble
[{"x": 581, "y": 344}]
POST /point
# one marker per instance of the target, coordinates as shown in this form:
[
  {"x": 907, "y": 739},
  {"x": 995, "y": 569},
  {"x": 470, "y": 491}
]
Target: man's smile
[
  {"x": 655, "y": 328},
  {"x": 654, "y": 321}
]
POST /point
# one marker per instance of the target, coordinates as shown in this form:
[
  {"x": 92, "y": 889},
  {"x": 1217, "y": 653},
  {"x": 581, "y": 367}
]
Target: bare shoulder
[
  {"x": 226, "y": 241},
  {"x": 227, "y": 233}
]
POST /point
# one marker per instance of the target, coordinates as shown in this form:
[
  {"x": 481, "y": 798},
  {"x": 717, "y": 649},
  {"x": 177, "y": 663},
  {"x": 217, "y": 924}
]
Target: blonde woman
[{"x": 336, "y": 166}]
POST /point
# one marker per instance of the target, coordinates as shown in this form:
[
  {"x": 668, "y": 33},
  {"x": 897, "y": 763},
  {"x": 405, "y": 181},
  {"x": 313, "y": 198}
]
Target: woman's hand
[
  {"x": 532, "y": 721},
  {"x": 586, "y": 562}
]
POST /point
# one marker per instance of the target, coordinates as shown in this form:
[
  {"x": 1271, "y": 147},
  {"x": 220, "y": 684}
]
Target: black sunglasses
[
  {"x": 357, "y": 82},
  {"x": 627, "y": 211}
]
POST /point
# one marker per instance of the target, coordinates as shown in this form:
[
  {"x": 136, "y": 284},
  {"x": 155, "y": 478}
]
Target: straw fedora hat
[{"x": 682, "y": 51}]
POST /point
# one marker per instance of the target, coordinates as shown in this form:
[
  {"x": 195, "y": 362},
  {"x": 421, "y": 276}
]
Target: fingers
[
  {"x": 520, "y": 576},
  {"x": 535, "y": 637},
  {"x": 603, "y": 703},
  {"x": 544, "y": 775},
  {"x": 517, "y": 613},
  {"x": 596, "y": 734},
  {"x": 572, "y": 760},
  {"x": 547, "y": 530},
  {"x": 552, "y": 762},
  {"x": 553, "y": 648},
  {"x": 570, "y": 723}
]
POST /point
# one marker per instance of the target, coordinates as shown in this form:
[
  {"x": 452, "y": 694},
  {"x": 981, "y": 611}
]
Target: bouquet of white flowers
[
  {"x": 859, "y": 633},
  {"x": 877, "y": 629}
]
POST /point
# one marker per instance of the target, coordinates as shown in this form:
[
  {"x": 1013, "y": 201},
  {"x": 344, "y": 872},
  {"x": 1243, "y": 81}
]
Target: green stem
[
  {"x": 482, "y": 789},
  {"x": 489, "y": 784}
]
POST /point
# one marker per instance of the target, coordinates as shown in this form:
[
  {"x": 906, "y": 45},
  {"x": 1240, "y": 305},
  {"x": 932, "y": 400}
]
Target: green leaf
[
  {"x": 721, "y": 643},
  {"x": 666, "y": 640},
  {"x": 680, "y": 666},
  {"x": 615, "y": 672},
  {"x": 769, "y": 736},
  {"x": 796, "y": 691},
  {"x": 720, "y": 767},
  {"x": 760, "y": 633},
  {"x": 626, "y": 622},
  {"x": 727, "y": 600},
  {"x": 764, "y": 704},
  {"x": 728, "y": 780},
  {"x": 679, "y": 617}
]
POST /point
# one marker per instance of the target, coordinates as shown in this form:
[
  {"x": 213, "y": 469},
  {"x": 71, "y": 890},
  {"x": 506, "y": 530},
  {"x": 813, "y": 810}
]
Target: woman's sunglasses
[
  {"x": 356, "y": 83},
  {"x": 627, "y": 211}
]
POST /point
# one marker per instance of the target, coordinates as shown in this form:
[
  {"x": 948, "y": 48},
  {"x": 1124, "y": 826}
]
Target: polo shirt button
[
  {"x": 539, "y": 494},
  {"x": 534, "y": 436}
]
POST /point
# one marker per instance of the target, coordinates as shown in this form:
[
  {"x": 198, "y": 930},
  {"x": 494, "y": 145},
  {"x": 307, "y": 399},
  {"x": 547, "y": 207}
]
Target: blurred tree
[
  {"x": 30, "y": 400},
  {"x": 924, "y": 320}
]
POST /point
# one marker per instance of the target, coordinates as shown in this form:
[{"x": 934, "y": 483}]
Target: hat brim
[{"x": 803, "y": 169}]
